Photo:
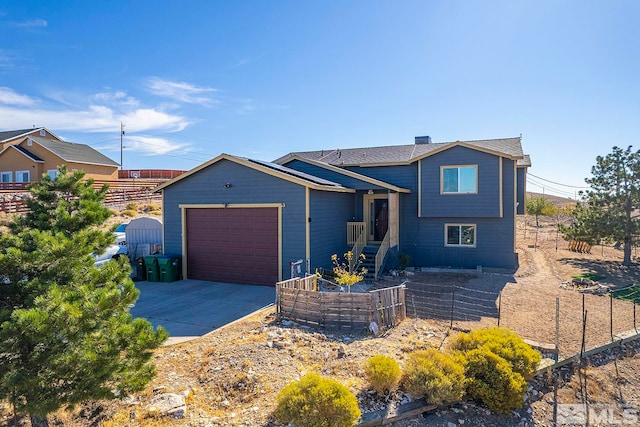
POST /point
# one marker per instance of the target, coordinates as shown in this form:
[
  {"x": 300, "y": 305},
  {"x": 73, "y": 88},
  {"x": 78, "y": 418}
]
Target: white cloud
[
  {"x": 118, "y": 97},
  {"x": 96, "y": 118},
  {"x": 10, "y": 97},
  {"x": 32, "y": 23},
  {"x": 180, "y": 91},
  {"x": 151, "y": 145}
]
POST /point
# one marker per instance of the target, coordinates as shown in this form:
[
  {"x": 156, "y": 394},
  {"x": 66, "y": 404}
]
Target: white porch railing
[
  {"x": 354, "y": 230},
  {"x": 382, "y": 252}
]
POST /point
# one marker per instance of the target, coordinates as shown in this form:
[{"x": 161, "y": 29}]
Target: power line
[
  {"x": 556, "y": 183},
  {"x": 548, "y": 189}
]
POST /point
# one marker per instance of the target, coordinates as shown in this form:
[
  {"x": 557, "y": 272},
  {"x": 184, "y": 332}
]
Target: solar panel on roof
[{"x": 296, "y": 173}]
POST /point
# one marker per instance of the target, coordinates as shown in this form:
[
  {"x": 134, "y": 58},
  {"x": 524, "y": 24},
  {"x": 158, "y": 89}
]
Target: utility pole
[{"x": 121, "y": 135}]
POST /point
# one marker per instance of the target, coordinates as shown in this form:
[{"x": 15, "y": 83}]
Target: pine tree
[
  {"x": 66, "y": 333},
  {"x": 612, "y": 201}
]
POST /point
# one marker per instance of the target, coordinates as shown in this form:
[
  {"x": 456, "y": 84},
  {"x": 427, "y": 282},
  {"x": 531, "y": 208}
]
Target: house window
[
  {"x": 460, "y": 235},
  {"x": 459, "y": 179},
  {"x": 22, "y": 176},
  {"x": 6, "y": 176},
  {"x": 53, "y": 173}
]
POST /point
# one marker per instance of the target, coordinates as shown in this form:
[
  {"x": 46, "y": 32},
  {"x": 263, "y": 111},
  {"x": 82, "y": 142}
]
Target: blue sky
[{"x": 192, "y": 79}]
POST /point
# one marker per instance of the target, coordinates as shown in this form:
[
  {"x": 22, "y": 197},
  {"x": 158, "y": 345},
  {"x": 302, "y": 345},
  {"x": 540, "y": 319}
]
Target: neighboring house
[
  {"x": 444, "y": 204},
  {"x": 28, "y": 154}
]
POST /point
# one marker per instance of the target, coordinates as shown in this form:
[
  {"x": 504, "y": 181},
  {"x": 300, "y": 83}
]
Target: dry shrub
[
  {"x": 492, "y": 381},
  {"x": 316, "y": 401},
  {"x": 132, "y": 206},
  {"x": 436, "y": 375},
  {"x": 129, "y": 212},
  {"x": 383, "y": 373},
  {"x": 503, "y": 342}
]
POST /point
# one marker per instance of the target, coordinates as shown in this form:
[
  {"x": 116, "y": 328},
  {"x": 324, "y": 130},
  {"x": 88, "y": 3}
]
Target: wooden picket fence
[{"x": 300, "y": 301}]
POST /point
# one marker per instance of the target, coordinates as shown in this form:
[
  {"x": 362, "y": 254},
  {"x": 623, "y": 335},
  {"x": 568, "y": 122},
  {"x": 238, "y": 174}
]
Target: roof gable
[
  {"x": 73, "y": 152},
  {"x": 276, "y": 170},
  {"x": 14, "y": 134}
]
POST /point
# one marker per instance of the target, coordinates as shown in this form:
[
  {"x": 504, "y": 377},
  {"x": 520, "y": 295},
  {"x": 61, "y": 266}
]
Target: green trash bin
[
  {"x": 169, "y": 266},
  {"x": 151, "y": 266}
]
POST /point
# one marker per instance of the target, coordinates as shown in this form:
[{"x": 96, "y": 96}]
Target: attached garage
[
  {"x": 237, "y": 220},
  {"x": 233, "y": 244}
]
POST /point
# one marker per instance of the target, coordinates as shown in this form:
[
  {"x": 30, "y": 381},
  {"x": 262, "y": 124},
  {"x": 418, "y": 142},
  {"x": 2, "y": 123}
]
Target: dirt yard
[{"x": 231, "y": 377}]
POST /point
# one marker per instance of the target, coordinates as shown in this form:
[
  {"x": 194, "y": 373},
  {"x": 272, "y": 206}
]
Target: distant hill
[{"x": 556, "y": 200}]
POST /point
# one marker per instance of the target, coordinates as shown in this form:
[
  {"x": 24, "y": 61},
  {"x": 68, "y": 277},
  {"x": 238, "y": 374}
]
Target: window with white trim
[
  {"x": 463, "y": 235},
  {"x": 459, "y": 179},
  {"x": 22, "y": 176},
  {"x": 53, "y": 173},
  {"x": 6, "y": 176}
]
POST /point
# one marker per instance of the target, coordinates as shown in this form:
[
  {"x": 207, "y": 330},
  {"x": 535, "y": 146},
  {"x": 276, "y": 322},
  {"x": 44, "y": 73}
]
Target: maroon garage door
[{"x": 234, "y": 245}]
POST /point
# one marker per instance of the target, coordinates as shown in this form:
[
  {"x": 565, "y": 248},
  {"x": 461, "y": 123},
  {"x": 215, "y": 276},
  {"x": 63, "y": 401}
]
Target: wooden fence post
[
  {"x": 499, "y": 307},
  {"x": 453, "y": 299},
  {"x": 557, "y": 355}
]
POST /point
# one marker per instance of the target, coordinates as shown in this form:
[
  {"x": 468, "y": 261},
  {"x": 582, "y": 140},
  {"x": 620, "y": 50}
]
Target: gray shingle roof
[
  {"x": 10, "y": 134},
  {"x": 525, "y": 161},
  {"x": 404, "y": 154},
  {"x": 72, "y": 152}
]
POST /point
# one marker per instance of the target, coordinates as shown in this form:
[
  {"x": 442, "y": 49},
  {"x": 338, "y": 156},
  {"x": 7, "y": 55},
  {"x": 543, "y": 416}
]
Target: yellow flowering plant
[{"x": 346, "y": 272}]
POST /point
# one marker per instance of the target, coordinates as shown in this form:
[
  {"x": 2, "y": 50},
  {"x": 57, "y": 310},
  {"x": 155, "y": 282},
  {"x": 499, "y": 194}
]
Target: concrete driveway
[{"x": 192, "y": 308}]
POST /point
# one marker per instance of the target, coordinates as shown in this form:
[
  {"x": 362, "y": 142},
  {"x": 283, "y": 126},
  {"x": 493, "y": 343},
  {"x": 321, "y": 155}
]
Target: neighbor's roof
[
  {"x": 405, "y": 154},
  {"x": 11, "y": 134},
  {"x": 272, "y": 169},
  {"x": 72, "y": 152}
]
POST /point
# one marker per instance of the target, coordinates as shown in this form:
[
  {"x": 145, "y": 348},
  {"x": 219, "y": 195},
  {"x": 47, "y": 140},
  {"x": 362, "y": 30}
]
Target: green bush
[
  {"x": 492, "y": 381},
  {"x": 503, "y": 342},
  {"x": 436, "y": 375},
  {"x": 315, "y": 401},
  {"x": 382, "y": 373}
]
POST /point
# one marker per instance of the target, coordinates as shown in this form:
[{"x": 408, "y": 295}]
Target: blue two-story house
[{"x": 443, "y": 204}]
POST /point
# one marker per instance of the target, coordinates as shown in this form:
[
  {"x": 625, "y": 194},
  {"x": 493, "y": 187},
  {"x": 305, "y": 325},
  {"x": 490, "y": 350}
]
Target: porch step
[{"x": 369, "y": 262}]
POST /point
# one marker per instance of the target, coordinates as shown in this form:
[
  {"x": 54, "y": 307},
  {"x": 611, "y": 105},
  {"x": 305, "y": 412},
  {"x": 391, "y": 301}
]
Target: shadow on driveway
[{"x": 191, "y": 308}]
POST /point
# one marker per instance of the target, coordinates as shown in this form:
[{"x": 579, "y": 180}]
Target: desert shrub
[
  {"x": 436, "y": 375},
  {"x": 152, "y": 207},
  {"x": 382, "y": 373},
  {"x": 491, "y": 380},
  {"x": 156, "y": 213},
  {"x": 129, "y": 212},
  {"x": 316, "y": 401},
  {"x": 132, "y": 206},
  {"x": 503, "y": 342}
]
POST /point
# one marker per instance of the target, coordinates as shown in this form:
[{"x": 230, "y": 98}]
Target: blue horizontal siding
[
  {"x": 485, "y": 203},
  {"x": 521, "y": 189},
  {"x": 425, "y": 243},
  {"x": 330, "y": 213}
]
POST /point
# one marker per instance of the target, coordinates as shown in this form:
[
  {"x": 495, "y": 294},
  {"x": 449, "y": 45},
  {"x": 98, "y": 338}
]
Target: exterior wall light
[{"x": 227, "y": 185}]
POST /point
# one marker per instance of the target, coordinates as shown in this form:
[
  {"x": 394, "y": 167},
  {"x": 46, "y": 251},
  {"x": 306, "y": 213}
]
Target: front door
[{"x": 378, "y": 219}]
